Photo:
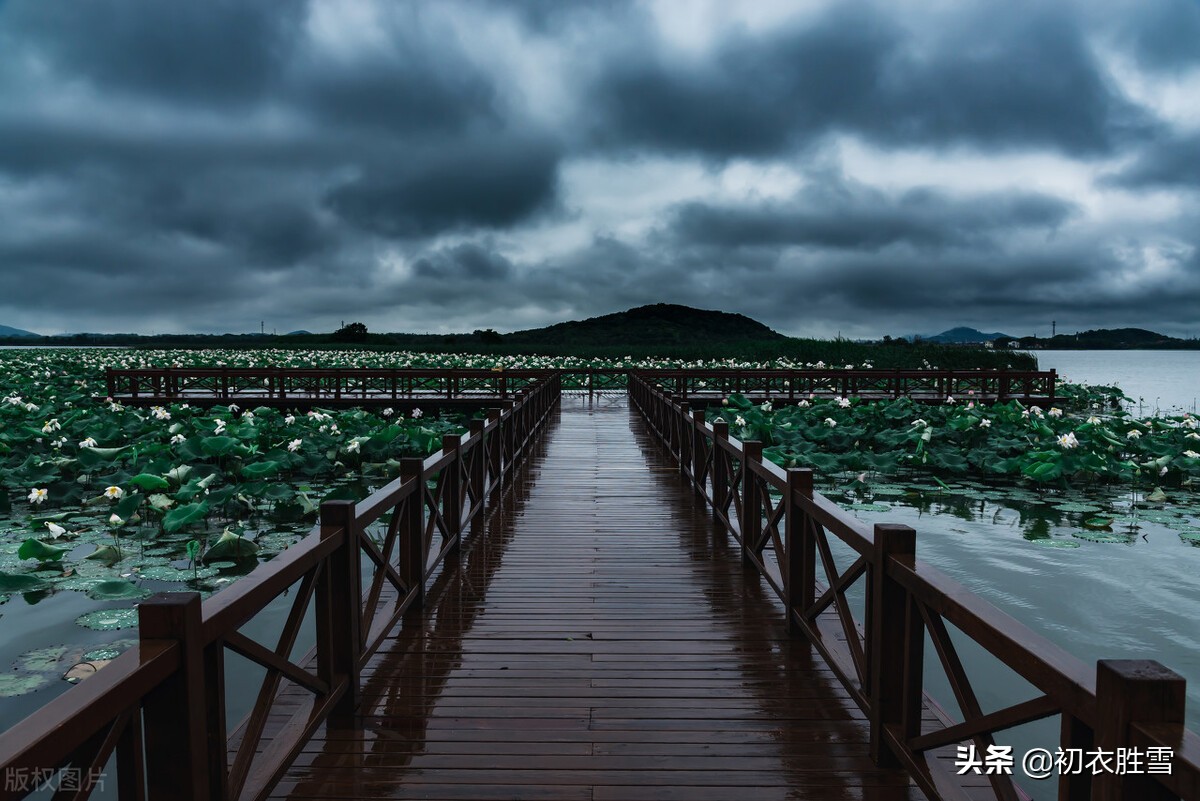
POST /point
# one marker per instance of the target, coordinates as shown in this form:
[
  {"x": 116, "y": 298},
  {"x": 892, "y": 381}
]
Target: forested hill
[{"x": 646, "y": 326}]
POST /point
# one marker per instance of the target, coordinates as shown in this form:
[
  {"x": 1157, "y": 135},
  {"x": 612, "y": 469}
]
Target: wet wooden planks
[{"x": 600, "y": 641}]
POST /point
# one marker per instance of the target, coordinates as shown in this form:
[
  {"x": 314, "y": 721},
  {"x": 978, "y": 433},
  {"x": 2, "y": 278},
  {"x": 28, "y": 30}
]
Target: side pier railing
[
  {"x": 785, "y": 529},
  {"x": 158, "y": 711},
  {"x": 288, "y": 386},
  {"x": 1029, "y": 386}
]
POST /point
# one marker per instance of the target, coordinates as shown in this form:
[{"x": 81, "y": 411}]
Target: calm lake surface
[{"x": 1156, "y": 380}]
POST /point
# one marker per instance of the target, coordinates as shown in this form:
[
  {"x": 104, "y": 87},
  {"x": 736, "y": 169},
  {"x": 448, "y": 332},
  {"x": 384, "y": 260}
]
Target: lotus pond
[{"x": 102, "y": 505}]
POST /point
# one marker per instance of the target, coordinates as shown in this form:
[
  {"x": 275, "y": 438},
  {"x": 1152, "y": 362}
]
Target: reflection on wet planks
[{"x": 600, "y": 641}]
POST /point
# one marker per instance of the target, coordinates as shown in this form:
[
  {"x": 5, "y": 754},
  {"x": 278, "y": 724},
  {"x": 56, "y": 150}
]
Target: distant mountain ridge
[
  {"x": 963, "y": 335},
  {"x": 9, "y": 331}
]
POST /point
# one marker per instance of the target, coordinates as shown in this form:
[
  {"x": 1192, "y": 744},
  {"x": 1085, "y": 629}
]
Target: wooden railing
[
  {"x": 286, "y": 385},
  {"x": 160, "y": 707},
  {"x": 928, "y": 385},
  {"x": 175, "y": 384},
  {"x": 785, "y": 529}
]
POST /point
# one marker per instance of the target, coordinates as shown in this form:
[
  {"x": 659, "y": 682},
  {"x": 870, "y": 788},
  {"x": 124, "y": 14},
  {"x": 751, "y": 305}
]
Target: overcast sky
[{"x": 867, "y": 168}]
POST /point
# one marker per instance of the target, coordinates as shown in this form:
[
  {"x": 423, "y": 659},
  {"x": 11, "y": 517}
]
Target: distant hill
[
  {"x": 9, "y": 331},
  {"x": 1111, "y": 339},
  {"x": 300, "y": 333},
  {"x": 963, "y": 335},
  {"x": 656, "y": 325}
]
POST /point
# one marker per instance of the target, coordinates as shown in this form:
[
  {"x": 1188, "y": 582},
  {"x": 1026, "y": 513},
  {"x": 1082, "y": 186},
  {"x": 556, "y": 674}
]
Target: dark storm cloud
[
  {"x": 467, "y": 262},
  {"x": 1172, "y": 162},
  {"x": 1164, "y": 34},
  {"x": 217, "y": 51},
  {"x": 839, "y": 216},
  {"x": 497, "y": 181},
  {"x": 1004, "y": 78},
  {"x": 753, "y": 97}
]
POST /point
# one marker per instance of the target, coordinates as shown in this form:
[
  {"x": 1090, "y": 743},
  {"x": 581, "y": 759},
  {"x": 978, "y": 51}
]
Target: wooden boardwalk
[{"x": 600, "y": 641}]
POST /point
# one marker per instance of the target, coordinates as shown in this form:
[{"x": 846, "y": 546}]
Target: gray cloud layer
[{"x": 451, "y": 166}]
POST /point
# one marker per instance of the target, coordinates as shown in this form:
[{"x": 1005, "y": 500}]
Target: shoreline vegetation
[{"x": 661, "y": 331}]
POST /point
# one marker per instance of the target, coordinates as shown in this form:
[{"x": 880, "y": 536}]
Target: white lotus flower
[
  {"x": 56, "y": 530},
  {"x": 51, "y": 426},
  {"x": 1134, "y": 434},
  {"x": 31, "y": 407},
  {"x": 844, "y": 403},
  {"x": 1191, "y": 436},
  {"x": 388, "y": 412},
  {"x": 37, "y": 496},
  {"x": 114, "y": 493},
  {"x": 233, "y": 407},
  {"x": 247, "y": 415},
  {"x": 417, "y": 414},
  {"x": 829, "y": 421},
  {"x": 1068, "y": 441},
  {"x": 294, "y": 445},
  {"x": 1094, "y": 420},
  {"x": 1191, "y": 454},
  {"x": 919, "y": 423},
  {"x": 1037, "y": 411},
  {"x": 985, "y": 423},
  {"x": 950, "y": 399},
  {"x": 88, "y": 443},
  {"x": 1055, "y": 411},
  {"x": 766, "y": 406},
  {"x": 160, "y": 413},
  {"x": 353, "y": 446},
  {"x": 819, "y": 366},
  {"x": 115, "y": 520},
  {"x": 291, "y": 418},
  {"x": 803, "y": 403},
  {"x": 739, "y": 420},
  {"x": 178, "y": 438}
]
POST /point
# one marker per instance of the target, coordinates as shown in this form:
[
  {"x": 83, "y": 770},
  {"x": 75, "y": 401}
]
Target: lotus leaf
[
  {"x": 230, "y": 546},
  {"x": 36, "y": 549}
]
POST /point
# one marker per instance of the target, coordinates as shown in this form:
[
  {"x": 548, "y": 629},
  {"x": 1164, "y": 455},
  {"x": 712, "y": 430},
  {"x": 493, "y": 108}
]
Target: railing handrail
[{"x": 1070, "y": 686}]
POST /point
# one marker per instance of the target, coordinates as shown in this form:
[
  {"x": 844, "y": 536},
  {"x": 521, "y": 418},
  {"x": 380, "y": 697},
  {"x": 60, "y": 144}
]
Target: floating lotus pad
[
  {"x": 1051, "y": 542},
  {"x": 115, "y": 590},
  {"x": 869, "y": 507},
  {"x": 21, "y": 582},
  {"x": 108, "y": 652},
  {"x": 109, "y": 619},
  {"x": 1096, "y": 536},
  {"x": 1072, "y": 506},
  {"x": 13, "y": 684}
]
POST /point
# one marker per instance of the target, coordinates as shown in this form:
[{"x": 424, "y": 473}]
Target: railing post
[
  {"x": 698, "y": 452},
  {"x": 685, "y": 437},
  {"x": 751, "y": 522},
  {"x": 495, "y": 461},
  {"x": 177, "y": 729},
  {"x": 801, "y": 578},
  {"x": 1130, "y": 691},
  {"x": 338, "y": 606},
  {"x": 477, "y": 475},
  {"x": 720, "y": 468},
  {"x": 452, "y": 490},
  {"x": 895, "y": 641},
  {"x": 506, "y": 431},
  {"x": 412, "y": 531}
]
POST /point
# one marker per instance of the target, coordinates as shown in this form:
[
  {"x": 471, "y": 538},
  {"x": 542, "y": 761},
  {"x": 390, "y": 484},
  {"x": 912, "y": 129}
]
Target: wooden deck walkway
[{"x": 600, "y": 641}]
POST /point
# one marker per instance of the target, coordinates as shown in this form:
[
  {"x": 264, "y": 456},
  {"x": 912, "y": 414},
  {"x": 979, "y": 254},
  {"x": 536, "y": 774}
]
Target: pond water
[{"x": 1167, "y": 381}]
